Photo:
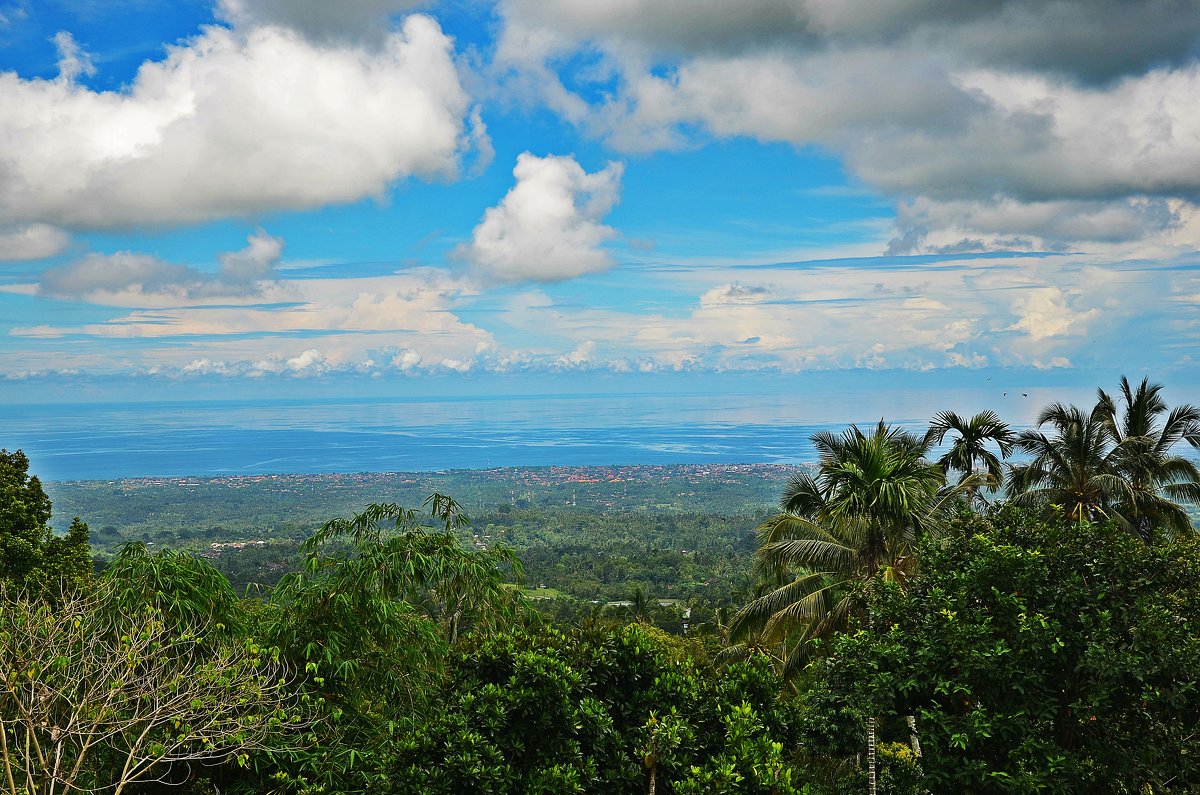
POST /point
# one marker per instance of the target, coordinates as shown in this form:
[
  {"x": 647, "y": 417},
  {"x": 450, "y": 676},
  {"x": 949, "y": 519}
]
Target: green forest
[
  {"x": 680, "y": 533},
  {"x": 964, "y": 608}
]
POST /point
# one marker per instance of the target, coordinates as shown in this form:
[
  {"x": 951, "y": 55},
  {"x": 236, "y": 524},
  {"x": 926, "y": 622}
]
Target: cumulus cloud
[
  {"x": 215, "y": 129},
  {"x": 1047, "y": 312},
  {"x": 131, "y": 279},
  {"x": 582, "y": 355},
  {"x": 548, "y": 226},
  {"x": 406, "y": 360},
  {"x": 456, "y": 365},
  {"x": 1014, "y": 311},
  {"x": 1088, "y": 40},
  {"x": 310, "y": 360},
  {"x": 254, "y": 262},
  {"x": 317, "y": 19},
  {"x": 31, "y": 241},
  {"x": 1063, "y": 116}
]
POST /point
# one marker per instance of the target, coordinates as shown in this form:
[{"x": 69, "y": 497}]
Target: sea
[{"x": 67, "y": 442}]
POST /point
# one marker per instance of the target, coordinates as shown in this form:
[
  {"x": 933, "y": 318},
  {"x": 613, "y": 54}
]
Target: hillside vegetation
[{"x": 891, "y": 624}]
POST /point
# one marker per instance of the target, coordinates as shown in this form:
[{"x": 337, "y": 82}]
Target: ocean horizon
[{"x": 67, "y": 442}]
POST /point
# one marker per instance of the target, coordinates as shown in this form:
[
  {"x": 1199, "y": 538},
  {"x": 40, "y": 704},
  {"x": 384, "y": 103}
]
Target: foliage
[
  {"x": 1157, "y": 478},
  {"x": 397, "y": 654},
  {"x": 535, "y": 504},
  {"x": 185, "y": 589},
  {"x": 31, "y": 556},
  {"x": 679, "y": 532},
  {"x": 97, "y": 700},
  {"x": 598, "y": 713},
  {"x": 1037, "y": 654},
  {"x": 1113, "y": 463},
  {"x": 751, "y": 761},
  {"x": 371, "y": 617},
  {"x": 969, "y": 450},
  {"x": 860, "y": 515}
]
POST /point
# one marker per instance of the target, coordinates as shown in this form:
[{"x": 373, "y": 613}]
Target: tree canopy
[
  {"x": 1044, "y": 643},
  {"x": 1038, "y": 654},
  {"x": 31, "y": 555}
]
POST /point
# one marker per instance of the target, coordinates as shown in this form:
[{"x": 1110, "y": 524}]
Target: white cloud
[
  {"x": 254, "y": 262},
  {"x": 457, "y": 365},
  {"x": 1075, "y": 121},
  {"x": 582, "y": 355},
  {"x": 1054, "y": 363},
  {"x": 406, "y": 360},
  {"x": 72, "y": 60},
  {"x": 311, "y": 360},
  {"x": 734, "y": 293},
  {"x": 215, "y": 129},
  {"x": 131, "y": 279},
  {"x": 31, "y": 241},
  {"x": 404, "y": 321},
  {"x": 547, "y": 227},
  {"x": 1010, "y": 311},
  {"x": 1017, "y": 311},
  {"x": 1047, "y": 312},
  {"x": 403, "y": 303}
]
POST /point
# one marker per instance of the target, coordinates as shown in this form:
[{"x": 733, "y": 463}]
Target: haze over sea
[{"x": 214, "y": 438}]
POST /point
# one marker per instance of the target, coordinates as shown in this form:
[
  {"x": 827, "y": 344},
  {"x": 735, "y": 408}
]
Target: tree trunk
[{"x": 912, "y": 734}]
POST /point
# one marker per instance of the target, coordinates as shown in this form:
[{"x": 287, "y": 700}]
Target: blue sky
[{"x": 286, "y": 198}]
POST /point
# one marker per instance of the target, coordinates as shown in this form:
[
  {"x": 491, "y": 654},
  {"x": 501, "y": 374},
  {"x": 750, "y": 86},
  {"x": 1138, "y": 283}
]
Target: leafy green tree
[
  {"x": 1039, "y": 654},
  {"x": 187, "y": 590},
  {"x": 69, "y": 558},
  {"x": 640, "y": 606},
  {"x": 970, "y": 450},
  {"x": 379, "y": 603},
  {"x": 31, "y": 556},
  {"x": 751, "y": 761},
  {"x": 1144, "y": 431},
  {"x": 97, "y": 700},
  {"x": 628, "y": 710}
]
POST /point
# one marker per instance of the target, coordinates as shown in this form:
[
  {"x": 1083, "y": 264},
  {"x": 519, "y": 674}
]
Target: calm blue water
[{"x": 86, "y": 442}]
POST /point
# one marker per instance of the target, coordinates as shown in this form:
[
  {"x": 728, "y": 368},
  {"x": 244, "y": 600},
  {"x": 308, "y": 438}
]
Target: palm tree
[
  {"x": 859, "y": 516},
  {"x": 969, "y": 451},
  {"x": 639, "y": 608},
  {"x": 1157, "y": 478},
  {"x": 1075, "y": 468},
  {"x": 1111, "y": 464}
]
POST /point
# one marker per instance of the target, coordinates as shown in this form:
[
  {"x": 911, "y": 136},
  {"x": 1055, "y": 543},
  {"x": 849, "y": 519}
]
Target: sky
[{"x": 386, "y": 197}]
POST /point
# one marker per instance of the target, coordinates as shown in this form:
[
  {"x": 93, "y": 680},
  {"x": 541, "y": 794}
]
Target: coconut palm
[
  {"x": 970, "y": 452},
  {"x": 1076, "y": 467},
  {"x": 1144, "y": 431},
  {"x": 859, "y": 516}
]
